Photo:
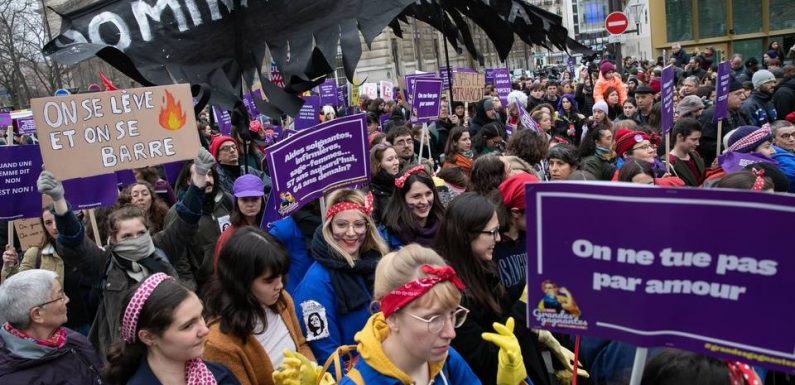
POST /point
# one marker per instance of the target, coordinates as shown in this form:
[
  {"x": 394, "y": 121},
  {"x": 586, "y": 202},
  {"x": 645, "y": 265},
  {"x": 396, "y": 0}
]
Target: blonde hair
[
  {"x": 398, "y": 268},
  {"x": 372, "y": 240}
]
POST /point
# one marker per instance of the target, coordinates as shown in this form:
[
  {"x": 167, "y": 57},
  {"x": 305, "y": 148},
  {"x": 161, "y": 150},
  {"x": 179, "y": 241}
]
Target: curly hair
[
  {"x": 155, "y": 215},
  {"x": 529, "y": 146}
]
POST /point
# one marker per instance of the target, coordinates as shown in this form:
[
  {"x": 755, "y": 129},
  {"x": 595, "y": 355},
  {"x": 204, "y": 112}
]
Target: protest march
[{"x": 612, "y": 221}]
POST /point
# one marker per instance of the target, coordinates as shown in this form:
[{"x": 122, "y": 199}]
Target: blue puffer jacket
[
  {"x": 786, "y": 163},
  {"x": 288, "y": 233}
]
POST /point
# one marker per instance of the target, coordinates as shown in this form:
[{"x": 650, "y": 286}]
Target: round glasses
[{"x": 436, "y": 323}]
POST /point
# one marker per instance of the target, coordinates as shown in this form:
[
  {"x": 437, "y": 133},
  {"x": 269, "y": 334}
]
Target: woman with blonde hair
[{"x": 334, "y": 296}]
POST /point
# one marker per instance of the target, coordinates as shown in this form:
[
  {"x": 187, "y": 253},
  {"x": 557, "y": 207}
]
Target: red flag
[{"x": 107, "y": 83}]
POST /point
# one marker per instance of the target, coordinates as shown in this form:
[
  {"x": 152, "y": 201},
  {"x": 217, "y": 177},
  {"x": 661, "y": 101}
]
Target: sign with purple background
[
  {"x": 20, "y": 167},
  {"x": 251, "y": 107},
  {"x": 25, "y": 126},
  {"x": 722, "y": 91},
  {"x": 409, "y": 79},
  {"x": 94, "y": 191},
  {"x": 443, "y": 73},
  {"x": 328, "y": 93},
  {"x": 342, "y": 95},
  {"x": 490, "y": 76},
  {"x": 667, "y": 95},
  {"x": 5, "y": 119},
  {"x": 426, "y": 100},
  {"x": 309, "y": 114},
  {"x": 502, "y": 83},
  {"x": 312, "y": 162},
  {"x": 223, "y": 119},
  {"x": 724, "y": 291}
]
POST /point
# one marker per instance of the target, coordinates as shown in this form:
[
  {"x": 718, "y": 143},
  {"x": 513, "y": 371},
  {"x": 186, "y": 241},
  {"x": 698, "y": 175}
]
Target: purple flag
[
  {"x": 722, "y": 91},
  {"x": 328, "y": 93},
  {"x": 426, "y": 100},
  {"x": 312, "y": 162},
  {"x": 25, "y": 126},
  {"x": 667, "y": 119},
  {"x": 342, "y": 95},
  {"x": 248, "y": 101},
  {"x": 20, "y": 167},
  {"x": 734, "y": 161},
  {"x": 223, "y": 119},
  {"x": 94, "y": 191},
  {"x": 721, "y": 298},
  {"x": 527, "y": 120},
  {"x": 309, "y": 115},
  {"x": 502, "y": 83}
]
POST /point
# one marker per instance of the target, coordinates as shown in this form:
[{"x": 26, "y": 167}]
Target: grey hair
[
  {"x": 775, "y": 126},
  {"x": 21, "y": 292},
  {"x": 676, "y": 45}
]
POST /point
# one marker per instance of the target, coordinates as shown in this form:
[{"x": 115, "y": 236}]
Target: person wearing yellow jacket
[{"x": 408, "y": 341}]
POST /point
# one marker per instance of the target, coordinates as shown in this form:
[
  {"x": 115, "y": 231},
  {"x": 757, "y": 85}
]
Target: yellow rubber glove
[
  {"x": 298, "y": 370},
  {"x": 523, "y": 298},
  {"x": 565, "y": 356},
  {"x": 510, "y": 366}
]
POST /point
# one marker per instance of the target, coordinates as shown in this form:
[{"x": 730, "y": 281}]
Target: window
[
  {"x": 749, "y": 48},
  {"x": 782, "y": 14},
  {"x": 747, "y": 16},
  {"x": 679, "y": 15},
  {"x": 711, "y": 18}
]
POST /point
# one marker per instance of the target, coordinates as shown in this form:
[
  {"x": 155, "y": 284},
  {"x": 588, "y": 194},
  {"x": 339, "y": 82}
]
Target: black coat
[
  {"x": 784, "y": 98},
  {"x": 75, "y": 363},
  {"x": 709, "y": 131}
]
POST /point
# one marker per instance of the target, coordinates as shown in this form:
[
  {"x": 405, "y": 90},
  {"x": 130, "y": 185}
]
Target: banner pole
[
  {"x": 10, "y": 233},
  {"x": 668, "y": 152},
  {"x": 93, "y": 219},
  {"x": 720, "y": 138},
  {"x": 447, "y": 59},
  {"x": 422, "y": 141},
  {"x": 637, "y": 366},
  {"x": 575, "y": 364}
]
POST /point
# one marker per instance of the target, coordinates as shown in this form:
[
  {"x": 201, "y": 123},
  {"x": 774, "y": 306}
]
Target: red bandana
[
  {"x": 57, "y": 340},
  {"x": 759, "y": 182},
  {"x": 399, "y": 182},
  {"x": 742, "y": 374},
  {"x": 367, "y": 209},
  {"x": 406, "y": 294}
]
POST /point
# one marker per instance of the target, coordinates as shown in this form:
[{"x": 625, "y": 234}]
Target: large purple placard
[
  {"x": 328, "y": 93},
  {"x": 306, "y": 165},
  {"x": 309, "y": 114},
  {"x": 681, "y": 268},
  {"x": 25, "y": 126},
  {"x": 667, "y": 120},
  {"x": 19, "y": 168},
  {"x": 426, "y": 100},
  {"x": 502, "y": 83},
  {"x": 722, "y": 91}
]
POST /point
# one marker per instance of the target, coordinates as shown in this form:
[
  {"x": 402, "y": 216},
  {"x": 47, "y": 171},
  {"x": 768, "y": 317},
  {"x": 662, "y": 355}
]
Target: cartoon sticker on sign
[{"x": 117, "y": 130}]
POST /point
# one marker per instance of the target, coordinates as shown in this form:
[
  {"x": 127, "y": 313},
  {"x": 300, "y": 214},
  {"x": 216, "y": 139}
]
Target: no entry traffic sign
[{"x": 616, "y": 23}]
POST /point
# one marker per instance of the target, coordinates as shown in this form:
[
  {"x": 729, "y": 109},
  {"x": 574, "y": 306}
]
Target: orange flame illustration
[{"x": 171, "y": 115}]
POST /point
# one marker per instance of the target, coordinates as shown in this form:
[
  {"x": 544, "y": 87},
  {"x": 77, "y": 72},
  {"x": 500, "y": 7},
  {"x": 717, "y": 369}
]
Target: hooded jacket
[
  {"x": 759, "y": 106},
  {"x": 24, "y": 362},
  {"x": 784, "y": 97},
  {"x": 480, "y": 119},
  {"x": 373, "y": 367},
  {"x": 288, "y": 232}
]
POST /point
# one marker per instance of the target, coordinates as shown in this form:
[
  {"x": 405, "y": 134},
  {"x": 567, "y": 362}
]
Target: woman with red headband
[
  {"x": 162, "y": 338},
  {"x": 414, "y": 212},
  {"x": 333, "y": 298}
]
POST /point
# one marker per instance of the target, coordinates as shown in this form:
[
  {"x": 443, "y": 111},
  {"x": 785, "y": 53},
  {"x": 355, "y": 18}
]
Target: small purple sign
[
  {"x": 25, "y": 126},
  {"x": 720, "y": 298},
  {"x": 382, "y": 119},
  {"x": 328, "y": 93},
  {"x": 722, "y": 91},
  {"x": 20, "y": 167},
  {"x": 426, "y": 100},
  {"x": 312, "y": 162},
  {"x": 409, "y": 79},
  {"x": 667, "y": 119},
  {"x": 5, "y": 119},
  {"x": 490, "y": 76},
  {"x": 502, "y": 83},
  {"x": 342, "y": 95},
  {"x": 251, "y": 107},
  {"x": 92, "y": 192},
  {"x": 309, "y": 114},
  {"x": 223, "y": 119}
]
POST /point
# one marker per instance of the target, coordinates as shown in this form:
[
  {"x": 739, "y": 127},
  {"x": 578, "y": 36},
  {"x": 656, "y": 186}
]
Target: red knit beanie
[
  {"x": 626, "y": 139},
  {"x": 512, "y": 190},
  {"x": 216, "y": 144}
]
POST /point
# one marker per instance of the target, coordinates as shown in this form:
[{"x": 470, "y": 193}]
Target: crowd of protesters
[{"x": 417, "y": 278}]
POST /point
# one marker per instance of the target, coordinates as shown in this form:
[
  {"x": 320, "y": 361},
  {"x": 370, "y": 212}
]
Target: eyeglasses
[
  {"x": 359, "y": 226},
  {"x": 436, "y": 323},
  {"x": 787, "y": 136},
  {"x": 495, "y": 233},
  {"x": 60, "y": 298},
  {"x": 643, "y": 147},
  {"x": 228, "y": 148}
]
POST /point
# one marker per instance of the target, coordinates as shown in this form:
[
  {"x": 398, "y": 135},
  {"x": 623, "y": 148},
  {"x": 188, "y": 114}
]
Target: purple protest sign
[
  {"x": 409, "y": 80},
  {"x": 342, "y": 95},
  {"x": 20, "y": 167},
  {"x": 172, "y": 171},
  {"x": 94, "y": 191},
  {"x": 312, "y": 162},
  {"x": 502, "y": 83},
  {"x": 124, "y": 178},
  {"x": 251, "y": 107},
  {"x": 5, "y": 119},
  {"x": 382, "y": 119},
  {"x": 716, "y": 293},
  {"x": 25, "y": 126},
  {"x": 570, "y": 63},
  {"x": 309, "y": 115},
  {"x": 444, "y": 73},
  {"x": 426, "y": 100},
  {"x": 328, "y": 93},
  {"x": 223, "y": 119},
  {"x": 490, "y": 76},
  {"x": 667, "y": 111},
  {"x": 722, "y": 91}
]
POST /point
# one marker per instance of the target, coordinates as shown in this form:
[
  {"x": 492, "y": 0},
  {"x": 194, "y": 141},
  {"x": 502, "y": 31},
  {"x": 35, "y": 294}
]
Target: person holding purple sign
[
  {"x": 133, "y": 253},
  {"x": 735, "y": 117}
]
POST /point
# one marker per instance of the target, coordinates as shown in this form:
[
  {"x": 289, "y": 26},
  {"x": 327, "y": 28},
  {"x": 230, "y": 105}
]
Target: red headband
[
  {"x": 367, "y": 209},
  {"x": 399, "y": 182},
  {"x": 406, "y": 294}
]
